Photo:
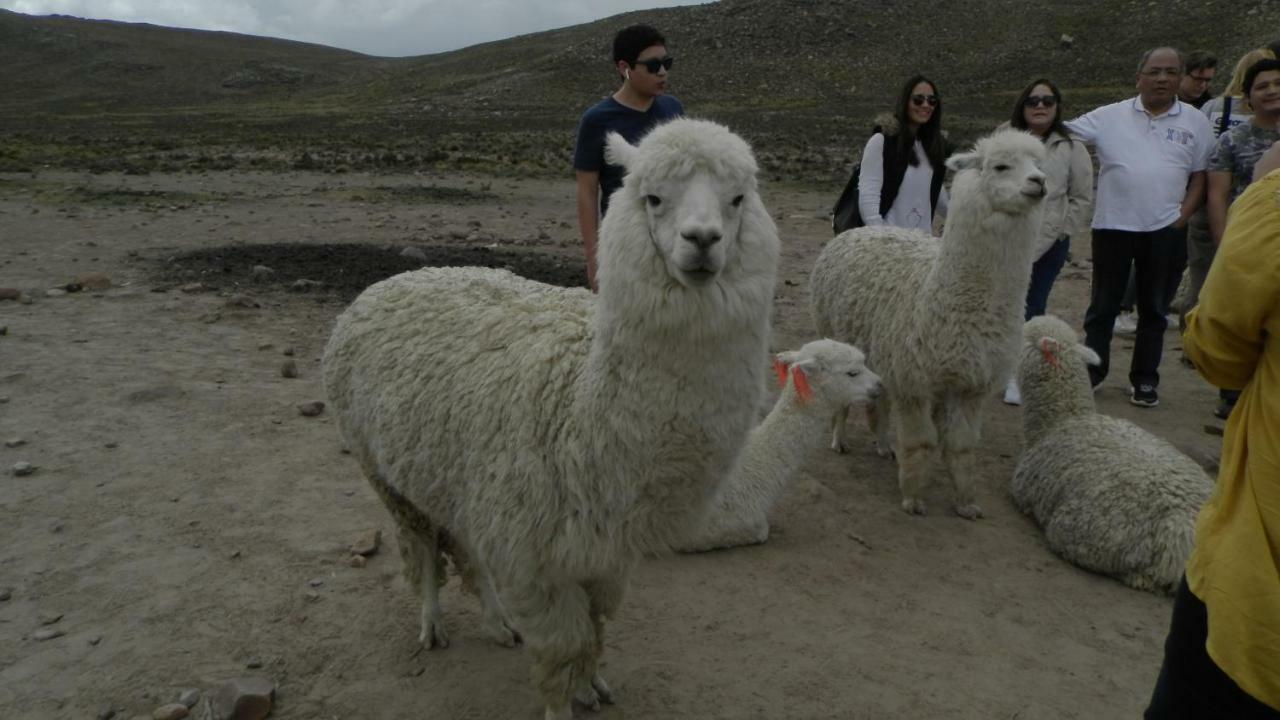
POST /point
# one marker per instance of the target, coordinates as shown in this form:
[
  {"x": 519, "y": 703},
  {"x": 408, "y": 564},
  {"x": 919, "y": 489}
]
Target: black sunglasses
[
  {"x": 654, "y": 64},
  {"x": 919, "y": 100},
  {"x": 1038, "y": 100}
]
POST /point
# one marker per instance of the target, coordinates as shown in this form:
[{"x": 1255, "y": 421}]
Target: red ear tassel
[
  {"x": 803, "y": 391},
  {"x": 780, "y": 368},
  {"x": 1049, "y": 357}
]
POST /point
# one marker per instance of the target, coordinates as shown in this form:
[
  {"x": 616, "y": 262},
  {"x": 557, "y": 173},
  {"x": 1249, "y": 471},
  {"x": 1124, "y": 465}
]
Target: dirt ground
[{"x": 188, "y": 522}]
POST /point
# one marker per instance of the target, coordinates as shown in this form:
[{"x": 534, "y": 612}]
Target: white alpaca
[
  {"x": 550, "y": 438},
  {"x": 818, "y": 379},
  {"x": 939, "y": 319},
  {"x": 1111, "y": 497}
]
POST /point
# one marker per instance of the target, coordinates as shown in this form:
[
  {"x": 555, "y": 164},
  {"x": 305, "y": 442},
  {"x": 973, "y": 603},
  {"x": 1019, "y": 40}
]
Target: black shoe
[
  {"x": 1144, "y": 396},
  {"x": 1223, "y": 411}
]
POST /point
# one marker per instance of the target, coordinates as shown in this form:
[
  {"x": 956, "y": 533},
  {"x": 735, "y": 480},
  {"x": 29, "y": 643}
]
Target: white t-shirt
[
  {"x": 911, "y": 207},
  {"x": 1145, "y": 162}
]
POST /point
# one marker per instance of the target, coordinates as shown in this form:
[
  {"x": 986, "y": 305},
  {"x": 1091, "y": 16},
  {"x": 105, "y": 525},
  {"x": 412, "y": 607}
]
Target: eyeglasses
[
  {"x": 655, "y": 64},
  {"x": 1157, "y": 72},
  {"x": 1038, "y": 100},
  {"x": 919, "y": 100}
]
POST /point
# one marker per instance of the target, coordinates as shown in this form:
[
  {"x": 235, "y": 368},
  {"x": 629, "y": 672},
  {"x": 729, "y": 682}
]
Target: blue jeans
[
  {"x": 1158, "y": 258},
  {"x": 1043, "y": 273}
]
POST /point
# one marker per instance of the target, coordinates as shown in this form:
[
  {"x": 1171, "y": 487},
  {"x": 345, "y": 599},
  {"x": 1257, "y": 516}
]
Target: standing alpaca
[
  {"x": 937, "y": 318},
  {"x": 819, "y": 379},
  {"x": 1111, "y": 497},
  {"x": 549, "y": 438}
]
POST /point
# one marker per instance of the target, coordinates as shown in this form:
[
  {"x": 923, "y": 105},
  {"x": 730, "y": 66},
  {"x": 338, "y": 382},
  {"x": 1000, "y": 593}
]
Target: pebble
[
  {"x": 111, "y": 445},
  {"x": 23, "y": 468},
  {"x": 47, "y": 633},
  {"x": 266, "y": 346},
  {"x": 55, "y": 292},
  {"x": 10, "y": 293},
  {"x": 312, "y": 596},
  {"x": 92, "y": 281},
  {"x": 414, "y": 253},
  {"x": 315, "y": 582},
  {"x": 49, "y": 618},
  {"x": 189, "y": 697},
  {"x": 288, "y": 352},
  {"x": 368, "y": 543},
  {"x": 106, "y": 713},
  {"x": 241, "y": 300},
  {"x": 14, "y": 442},
  {"x": 253, "y": 664},
  {"x": 5, "y": 594},
  {"x": 357, "y": 561},
  {"x": 261, "y": 273},
  {"x": 194, "y": 287},
  {"x": 304, "y": 285},
  {"x": 95, "y": 640},
  {"x": 243, "y": 699},
  {"x": 172, "y": 711},
  {"x": 4, "y": 329},
  {"x": 289, "y": 369},
  {"x": 311, "y": 409}
]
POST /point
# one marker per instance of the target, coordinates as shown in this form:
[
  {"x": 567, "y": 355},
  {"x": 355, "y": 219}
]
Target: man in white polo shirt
[{"x": 1153, "y": 150}]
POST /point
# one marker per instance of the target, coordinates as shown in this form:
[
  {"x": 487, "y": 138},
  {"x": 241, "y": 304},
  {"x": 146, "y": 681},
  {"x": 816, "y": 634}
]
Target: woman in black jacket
[{"x": 900, "y": 178}]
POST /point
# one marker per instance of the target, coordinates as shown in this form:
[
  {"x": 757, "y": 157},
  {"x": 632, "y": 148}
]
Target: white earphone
[{"x": 626, "y": 73}]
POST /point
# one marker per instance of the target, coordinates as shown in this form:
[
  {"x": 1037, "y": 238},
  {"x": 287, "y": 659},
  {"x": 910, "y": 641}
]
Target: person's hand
[
  {"x": 1180, "y": 223},
  {"x": 1269, "y": 161}
]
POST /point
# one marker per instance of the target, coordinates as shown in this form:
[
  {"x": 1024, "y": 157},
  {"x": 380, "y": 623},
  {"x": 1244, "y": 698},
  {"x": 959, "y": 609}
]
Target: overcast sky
[{"x": 376, "y": 27}]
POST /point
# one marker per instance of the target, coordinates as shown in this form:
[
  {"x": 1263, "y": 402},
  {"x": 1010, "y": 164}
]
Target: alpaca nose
[{"x": 703, "y": 238}]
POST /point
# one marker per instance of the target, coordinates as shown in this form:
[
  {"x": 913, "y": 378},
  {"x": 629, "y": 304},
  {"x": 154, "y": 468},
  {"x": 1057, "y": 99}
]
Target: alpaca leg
[
  {"x": 878, "y": 418},
  {"x": 424, "y": 569},
  {"x": 495, "y": 617},
  {"x": 555, "y": 622},
  {"x": 960, "y": 433},
  {"x": 605, "y": 596},
  {"x": 917, "y": 445},
  {"x": 838, "y": 423}
]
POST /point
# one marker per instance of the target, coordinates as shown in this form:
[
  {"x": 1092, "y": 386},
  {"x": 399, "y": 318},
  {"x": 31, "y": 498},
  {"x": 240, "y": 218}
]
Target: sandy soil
[{"x": 187, "y": 517}]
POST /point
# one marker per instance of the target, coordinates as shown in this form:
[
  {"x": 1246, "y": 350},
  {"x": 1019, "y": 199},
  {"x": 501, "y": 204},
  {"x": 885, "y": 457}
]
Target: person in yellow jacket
[{"x": 1222, "y": 655}]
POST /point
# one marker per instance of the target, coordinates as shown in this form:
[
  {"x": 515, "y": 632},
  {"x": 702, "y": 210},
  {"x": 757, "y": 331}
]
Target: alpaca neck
[
  {"x": 1051, "y": 396},
  {"x": 775, "y": 450},
  {"x": 984, "y": 264}
]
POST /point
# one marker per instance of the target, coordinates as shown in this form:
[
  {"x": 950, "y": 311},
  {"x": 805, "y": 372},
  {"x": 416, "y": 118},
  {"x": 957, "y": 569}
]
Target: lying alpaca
[{"x": 818, "y": 379}]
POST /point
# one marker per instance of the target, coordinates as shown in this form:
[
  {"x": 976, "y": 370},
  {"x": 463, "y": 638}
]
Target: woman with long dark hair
[
  {"x": 900, "y": 181},
  {"x": 1068, "y": 182}
]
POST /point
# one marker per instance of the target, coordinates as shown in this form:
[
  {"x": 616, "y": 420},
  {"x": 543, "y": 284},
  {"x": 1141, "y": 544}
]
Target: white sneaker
[
  {"x": 1012, "y": 396},
  {"x": 1126, "y": 323}
]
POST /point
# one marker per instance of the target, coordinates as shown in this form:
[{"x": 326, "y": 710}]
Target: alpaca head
[
  {"x": 1005, "y": 167},
  {"x": 1053, "y": 361},
  {"x": 829, "y": 373},
  {"x": 693, "y": 182}
]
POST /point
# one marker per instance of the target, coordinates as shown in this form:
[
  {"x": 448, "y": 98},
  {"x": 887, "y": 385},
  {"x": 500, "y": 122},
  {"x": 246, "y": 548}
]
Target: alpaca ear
[
  {"x": 1090, "y": 357},
  {"x": 1050, "y": 348},
  {"x": 964, "y": 161},
  {"x": 786, "y": 357},
  {"x": 617, "y": 151}
]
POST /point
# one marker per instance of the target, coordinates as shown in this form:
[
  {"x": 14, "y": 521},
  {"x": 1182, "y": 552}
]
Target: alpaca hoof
[
  {"x": 588, "y": 698},
  {"x": 840, "y": 447},
  {"x": 433, "y": 636},
  {"x": 886, "y": 451},
  {"x": 969, "y": 512},
  {"x": 504, "y": 635},
  {"x": 602, "y": 689},
  {"x": 913, "y": 506}
]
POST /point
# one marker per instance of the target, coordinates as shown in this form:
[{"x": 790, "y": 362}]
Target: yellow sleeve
[{"x": 1224, "y": 335}]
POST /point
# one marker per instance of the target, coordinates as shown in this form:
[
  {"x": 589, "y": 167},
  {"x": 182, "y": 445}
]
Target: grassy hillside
[{"x": 801, "y": 78}]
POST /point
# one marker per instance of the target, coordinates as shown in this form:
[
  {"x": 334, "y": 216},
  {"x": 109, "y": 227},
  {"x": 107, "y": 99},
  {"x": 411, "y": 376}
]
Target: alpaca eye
[
  {"x": 1002, "y": 168},
  {"x": 852, "y": 373},
  {"x": 653, "y": 200},
  {"x": 737, "y": 201}
]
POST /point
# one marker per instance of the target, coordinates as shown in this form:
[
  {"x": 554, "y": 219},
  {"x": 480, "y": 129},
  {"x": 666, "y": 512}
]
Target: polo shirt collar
[{"x": 1174, "y": 109}]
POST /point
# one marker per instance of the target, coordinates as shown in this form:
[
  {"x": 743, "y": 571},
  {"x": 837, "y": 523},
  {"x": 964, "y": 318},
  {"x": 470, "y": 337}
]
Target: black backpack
[{"x": 845, "y": 214}]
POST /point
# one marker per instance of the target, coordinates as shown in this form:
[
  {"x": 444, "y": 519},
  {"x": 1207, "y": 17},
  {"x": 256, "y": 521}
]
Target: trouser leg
[
  {"x": 1159, "y": 259},
  {"x": 1112, "y": 259}
]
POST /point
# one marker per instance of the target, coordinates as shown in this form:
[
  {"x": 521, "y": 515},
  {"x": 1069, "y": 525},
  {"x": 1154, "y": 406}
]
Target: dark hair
[
  {"x": 1019, "y": 120},
  {"x": 1182, "y": 65},
  {"x": 929, "y": 134},
  {"x": 1200, "y": 60},
  {"x": 1274, "y": 47},
  {"x": 1255, "y": 70},
  {"x": 632, "y": 40}
]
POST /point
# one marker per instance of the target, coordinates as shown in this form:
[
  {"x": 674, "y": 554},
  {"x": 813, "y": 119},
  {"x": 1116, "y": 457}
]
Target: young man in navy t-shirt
[{"x": 641, "y": 59}]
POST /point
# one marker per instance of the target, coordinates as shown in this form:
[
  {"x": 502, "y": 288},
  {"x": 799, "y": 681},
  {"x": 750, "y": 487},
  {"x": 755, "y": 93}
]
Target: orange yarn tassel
[
  {"x": 780, "y": 368},
  {"x": 1049, "y": 357},
  {"x": 803, "y": 391}
]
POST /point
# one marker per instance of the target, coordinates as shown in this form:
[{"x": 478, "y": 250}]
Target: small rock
[
  {"x": 304, "y": 285},
  {"x": 289, "y": 369},
  {"x": 189, "y": 697},
  {"x": 368, "y": 543},
  {"x": 14, "y": 442},
  {"x": 288, "y": 352},
  {"x": 312, "y": 596},
  {"x": 235, "y": 555},
  {"x": 253, "y": 664},
  {"x": 5, "y": 594},
  {"x": 357, "y": 561},
  {"x": 4, "y": 329},
  {"x": 241, "y": 300},
  {"x": 95, "y": 639},
  {"x": 243, "y": 699},
  {"x": 55, "y": 292},
  {"x": 1066, "y": 40},
  {"x": 23, "y": 468},
  {"x": 267, "y": 346},
  {"x": 111, "y": 445},
  {"x": 261, "y": 273},
  {"x": 47, "y": 633},
  {"x": 414, "y": 253},
  {"x": 92, "y": 281},
  {"x": 172, "y": 711},
  {"x": 194, "y": 287},
  {"x": 49, "y": 618},
  {"x": 311, "y": 409},
  {"x": 10, "y": 293},
  {"x": 106, "y": 713},
  {"x": 315, "y": 582}
]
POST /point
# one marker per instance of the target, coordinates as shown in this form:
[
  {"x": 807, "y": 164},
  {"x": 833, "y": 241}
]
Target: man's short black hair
[
  {"x": 631, "y": 41},
  {"x": 1255, "y": 70},
  {"x": 1200, "y": 60}
]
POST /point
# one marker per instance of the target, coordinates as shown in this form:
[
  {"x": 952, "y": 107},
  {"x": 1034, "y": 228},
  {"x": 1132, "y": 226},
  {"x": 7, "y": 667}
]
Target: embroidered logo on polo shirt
[{"x": 1179, "y": 135}]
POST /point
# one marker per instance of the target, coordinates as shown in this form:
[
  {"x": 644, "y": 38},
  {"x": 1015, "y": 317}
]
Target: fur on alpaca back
[
  {"x": 1111, "y": 497},
  {"x": 549, "y": 432},
  {"x": 933, "y": 315}
]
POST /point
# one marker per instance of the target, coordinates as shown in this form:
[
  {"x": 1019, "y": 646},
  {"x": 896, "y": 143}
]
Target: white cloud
[{"x": 376, "y": 27}]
